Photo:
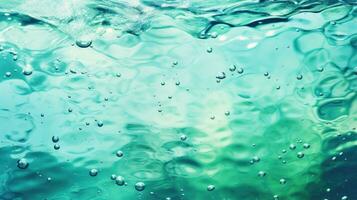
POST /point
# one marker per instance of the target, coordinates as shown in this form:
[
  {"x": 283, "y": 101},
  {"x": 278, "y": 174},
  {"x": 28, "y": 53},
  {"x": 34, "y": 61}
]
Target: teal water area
[{"x": 178, "y": 99}]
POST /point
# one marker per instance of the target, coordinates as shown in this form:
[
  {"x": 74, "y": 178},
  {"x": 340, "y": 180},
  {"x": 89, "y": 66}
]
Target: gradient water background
[{"x": 254, "y": 99}]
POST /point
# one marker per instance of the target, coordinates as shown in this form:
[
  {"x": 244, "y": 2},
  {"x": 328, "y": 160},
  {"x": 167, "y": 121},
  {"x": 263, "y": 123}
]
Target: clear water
[{"x": 178, "y": 99}]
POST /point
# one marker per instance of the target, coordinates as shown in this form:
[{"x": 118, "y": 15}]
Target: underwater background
[{"x": 178, "y": 99}]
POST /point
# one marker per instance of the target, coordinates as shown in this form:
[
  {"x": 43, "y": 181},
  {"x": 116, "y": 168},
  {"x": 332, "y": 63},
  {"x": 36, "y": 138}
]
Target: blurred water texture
[{"x": 178, "y": 99}]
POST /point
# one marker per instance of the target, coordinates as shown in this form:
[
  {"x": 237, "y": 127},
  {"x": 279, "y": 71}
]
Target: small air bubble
[
  {"x": 292, "y": 146},
  {"x": 119, "y": 180},
  {"x": 56, "y": 146},
  {"x": 93, "y": 172},
  {"x": 300, "y": 155},
  {"x": 282, "y": 181},
  {"x": 83, "y": 42},
  {"x": 221, "y": 76},
  {"x": 261, "y": 173},
  {"x": 27, "y": 70},
  {"x": 100, "y": 123},
  {"x": 119, "y": 154},
  {"x": 22, "y": 163},
  {"x": 139, "y": 186},
  {"x": 211, "y": 188},
  {"x": 233, "y": 68}
]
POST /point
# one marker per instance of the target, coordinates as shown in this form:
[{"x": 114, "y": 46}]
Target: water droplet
[
  {"x": 261, "y": 173},
  {"x": 299, "y": 77},
  {"x": 211, "y": 187},
  {"x": 93, "y": 172},
  {"x": 83, "y": 42},
  {"x": 113, "y": 176},
  {"x": 119, "y": 154},
  {"x": 22, "y": 163},
  {"x": 282, "y": 181},
  {"x": 300, "y": 154},
  {"x": 183, "y": 137},
  {"x": 240, "y": 71},
  {"x": 100, "y": 123},
  {"x": 7, "y": 74},
  {"x": 56, "y": 146},
  {"x": 209, "y": 50},
  {"x": 221, "y": 76},
  {"x": 120, "y": 180},
  {"x": 306, "y": 145},
  {"x": 139, "y": 186}
]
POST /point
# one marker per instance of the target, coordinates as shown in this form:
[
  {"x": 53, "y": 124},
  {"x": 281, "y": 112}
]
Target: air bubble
[
  {"x": 56, "y": 146},
  {"x": 262, "y": 173},
  {"x": 282, "y": 181},
  {"x": 233, "y": 68},
  {"x": 256, "y": 159},
  {"x": 83, "y": 42},
  {"x": 27, "y": 70},
  {"x": 7, "y": 74},
  {"x": 139, "y": 186},
  {"x": 211, "y": 187},
  {"x": 183, "y": 137},
  {"x": 100, "y": 123},
  {"x": 119, "y": 154},
  {"x": 221, "y": 76},
  {"x": 209, "y": 50},
  {"x": 119, "y": 180},
  {"x": 300, "y": 155},
  {"x": 240, "y": 71},
  {"x": 93, "y": 172},
  {"x": 292, "y": 146},
  {"x": 22, "y": 163}
]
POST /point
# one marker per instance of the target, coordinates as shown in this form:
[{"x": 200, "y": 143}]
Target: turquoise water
[{"x": 178, "y": 99}]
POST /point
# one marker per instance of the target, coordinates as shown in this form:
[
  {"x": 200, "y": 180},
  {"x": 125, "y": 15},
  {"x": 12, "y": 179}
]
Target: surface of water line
[{"x": 178, "y": 99}]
